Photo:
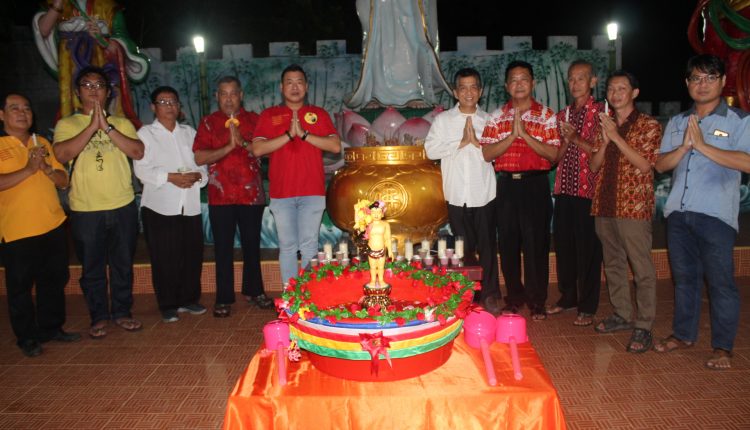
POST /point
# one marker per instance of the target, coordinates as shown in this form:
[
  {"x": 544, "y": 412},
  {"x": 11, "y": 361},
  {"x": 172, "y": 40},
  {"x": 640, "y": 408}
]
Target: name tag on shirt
[{"x": 720, "y": 133}]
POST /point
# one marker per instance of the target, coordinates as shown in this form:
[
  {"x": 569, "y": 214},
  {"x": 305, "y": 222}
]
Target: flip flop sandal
[
  {"x": 98, "y": 331},
  {"x": 583, "y": 319},
  {"x": 721, "y": 359},
  {"x": 640, "y": 337},
  {"x": 556, "y": 309},
  {"x": 129, "y": 324},
  {"x": 671, "y": 343}
]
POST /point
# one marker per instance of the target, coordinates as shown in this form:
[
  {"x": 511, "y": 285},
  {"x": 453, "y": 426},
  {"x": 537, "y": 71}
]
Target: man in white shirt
[
  {"x": 171, "y": 207},
  {"x": 469, "y": 182}
]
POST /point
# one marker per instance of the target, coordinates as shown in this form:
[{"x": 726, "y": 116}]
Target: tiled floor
[{"x": 179, "y": 375}]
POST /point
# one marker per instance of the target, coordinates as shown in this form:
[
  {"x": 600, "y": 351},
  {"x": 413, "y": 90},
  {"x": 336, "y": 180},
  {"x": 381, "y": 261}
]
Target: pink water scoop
[
  {"x": 276, "y": 336},
  {"x": 479, "y": 332},
  {"x": 511, "y": 329}
]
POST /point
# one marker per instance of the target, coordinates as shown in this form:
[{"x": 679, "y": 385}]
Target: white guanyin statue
[{"x": 400, "y": 65}]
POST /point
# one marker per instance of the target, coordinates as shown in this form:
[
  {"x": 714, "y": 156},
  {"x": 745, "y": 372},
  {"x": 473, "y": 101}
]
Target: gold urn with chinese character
[{"x": 403, "y": 177}]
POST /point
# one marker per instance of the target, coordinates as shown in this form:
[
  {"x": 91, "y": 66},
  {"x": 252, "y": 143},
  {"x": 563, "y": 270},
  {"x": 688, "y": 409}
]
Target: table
[{"x": 455, "y": 396}]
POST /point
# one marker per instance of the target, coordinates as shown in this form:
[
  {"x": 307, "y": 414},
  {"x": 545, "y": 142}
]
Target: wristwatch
[
  {"x": 304, "y": 136},
  {"x": 109, "y": 128}
]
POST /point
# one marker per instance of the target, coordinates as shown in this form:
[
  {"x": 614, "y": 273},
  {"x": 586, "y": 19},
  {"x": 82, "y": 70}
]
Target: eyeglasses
[
  {"x": 697, "y": 79},
  {"x": 93, "y": 85},
  {"x": 167, "y": 102}
]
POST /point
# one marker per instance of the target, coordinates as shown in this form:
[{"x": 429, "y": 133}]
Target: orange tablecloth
[{"x": 455, "y": 396}]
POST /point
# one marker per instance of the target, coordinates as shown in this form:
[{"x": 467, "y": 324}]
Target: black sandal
[
  {"x": 640, "y": 337},
  {"x": 613, "y": 323}
]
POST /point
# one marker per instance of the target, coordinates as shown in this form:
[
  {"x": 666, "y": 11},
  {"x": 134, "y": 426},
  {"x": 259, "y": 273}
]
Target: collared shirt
[
  {"x": 101, "y": 178},
  {"x": 467, "y": 178},
  {"x": 699, "y": 184},
  {"x": 540, "y": 123},
  {"x": 236, "y": 178},
  {"x": 31, "y": 207},
  {"x": 623, "y": 191},
  {"x": 168, "y": 152},
  {"x": 295, "y": 169},
  {"x": 574, "y": 177}
]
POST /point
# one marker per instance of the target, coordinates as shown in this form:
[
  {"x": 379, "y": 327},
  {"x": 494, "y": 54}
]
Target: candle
[
  {"x": 394, "y": 246},
  {"x": 426, "y": 245},
  {"x": 455, "y": 260},
  {"x": 328, "y": 250},
  {"x": 442, "y": 244},
  {"x": 33, "y": 137},
  {"x": 567, "y": 114},
  {"x": 459, "y": 247},
  {"x": 321, "y": 255},
  {"x": 408, "y": 250},
  {"x": 606, "y": 107},
  {"x": 449, "y": 252},
  {"x": 344, "y": 248},
  {"x": 428, "y": 260}
]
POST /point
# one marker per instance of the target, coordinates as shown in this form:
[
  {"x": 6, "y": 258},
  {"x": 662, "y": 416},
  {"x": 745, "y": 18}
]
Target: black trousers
[
  {"x": 477, "y": 226},
  {"x": 524, "y": 209},
  {"x": 578, "y": 252},
  {"x": 175, "y": 244},
  {"x": 40, "y": 260},
  {"x": 224, "y": 222}
]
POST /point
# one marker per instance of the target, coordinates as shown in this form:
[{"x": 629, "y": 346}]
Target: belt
[{"x": 522, "y": 175}]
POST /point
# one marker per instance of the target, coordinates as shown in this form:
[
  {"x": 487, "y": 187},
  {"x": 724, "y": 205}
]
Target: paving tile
[{"x": 179, "y": 375}]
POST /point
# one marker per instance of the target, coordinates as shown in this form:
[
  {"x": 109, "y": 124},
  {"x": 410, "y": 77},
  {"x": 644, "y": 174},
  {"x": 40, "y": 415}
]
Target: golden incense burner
[{"x": 403, "y": 177}]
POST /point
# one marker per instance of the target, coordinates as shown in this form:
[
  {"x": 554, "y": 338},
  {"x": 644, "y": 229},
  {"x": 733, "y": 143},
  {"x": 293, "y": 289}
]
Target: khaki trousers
[{"x": 629, "y": 241}]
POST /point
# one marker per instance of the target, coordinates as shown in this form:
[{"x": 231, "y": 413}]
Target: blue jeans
[
  {"x": 298, "y": 227},
  {"x": 701, "y": 246},
  {"x": 106, "y": 238}
]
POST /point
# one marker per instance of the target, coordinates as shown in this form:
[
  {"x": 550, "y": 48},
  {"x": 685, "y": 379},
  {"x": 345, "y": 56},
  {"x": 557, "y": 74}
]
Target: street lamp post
[
  {"x": 200, "y": 49},
  {"x": 612, "y": 35}
]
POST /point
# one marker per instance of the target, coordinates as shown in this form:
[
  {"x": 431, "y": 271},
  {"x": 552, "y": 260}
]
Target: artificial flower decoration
[{"x": 449, "y": 294}]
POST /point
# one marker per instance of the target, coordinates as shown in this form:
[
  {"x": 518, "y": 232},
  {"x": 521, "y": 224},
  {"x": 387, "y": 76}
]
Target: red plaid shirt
[
  {"x": 540, "y": 123},
  {"x": 574, "y": 177}
]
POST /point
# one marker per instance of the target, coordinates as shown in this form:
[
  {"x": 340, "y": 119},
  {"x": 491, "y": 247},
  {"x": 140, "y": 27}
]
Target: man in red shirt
[
  {"x": 294, "y": 136},
  {"x": 235, "y": 194},
  {"x": 522, "y": 139},
  {"x": 577, "y": 248}
]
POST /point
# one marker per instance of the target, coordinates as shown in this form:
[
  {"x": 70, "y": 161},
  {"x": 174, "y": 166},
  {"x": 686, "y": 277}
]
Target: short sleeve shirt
[
  {"x": 540, "y": 122},
  {"x": 295, "y": 169},
  {"x": 573, "y": 176},
  {"x": 699, "y": 184},
  {"x": 235, "y": 179},
  {"x": 31, "y": 207},
  {"x": 623, "y": 191},
  {"x": 101, "y": 178}
]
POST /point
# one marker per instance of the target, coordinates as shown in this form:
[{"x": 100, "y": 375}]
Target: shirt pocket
[{"x": 721, "y": 142}]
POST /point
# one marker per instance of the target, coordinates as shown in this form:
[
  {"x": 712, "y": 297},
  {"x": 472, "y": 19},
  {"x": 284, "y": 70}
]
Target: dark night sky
[{"x": 655, "y": 45}]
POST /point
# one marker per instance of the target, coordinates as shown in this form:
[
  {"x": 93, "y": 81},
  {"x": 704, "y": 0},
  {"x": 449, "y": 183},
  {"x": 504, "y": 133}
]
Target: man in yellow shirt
[
  {"x": 33, "y": 246},
  {"x": 104, "y": 216}
]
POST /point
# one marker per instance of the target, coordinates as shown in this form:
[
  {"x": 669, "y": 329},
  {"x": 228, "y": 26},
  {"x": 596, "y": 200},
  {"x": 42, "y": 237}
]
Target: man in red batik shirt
[
  {"x": 235, "y": 194},
  {"x": 522, "y": 139},
  {"x": 577, "y": 249}
]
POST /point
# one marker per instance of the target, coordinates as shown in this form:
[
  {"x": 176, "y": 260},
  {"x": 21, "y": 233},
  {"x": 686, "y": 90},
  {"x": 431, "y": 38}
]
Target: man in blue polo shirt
[{"x": 707, "y": 147}]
